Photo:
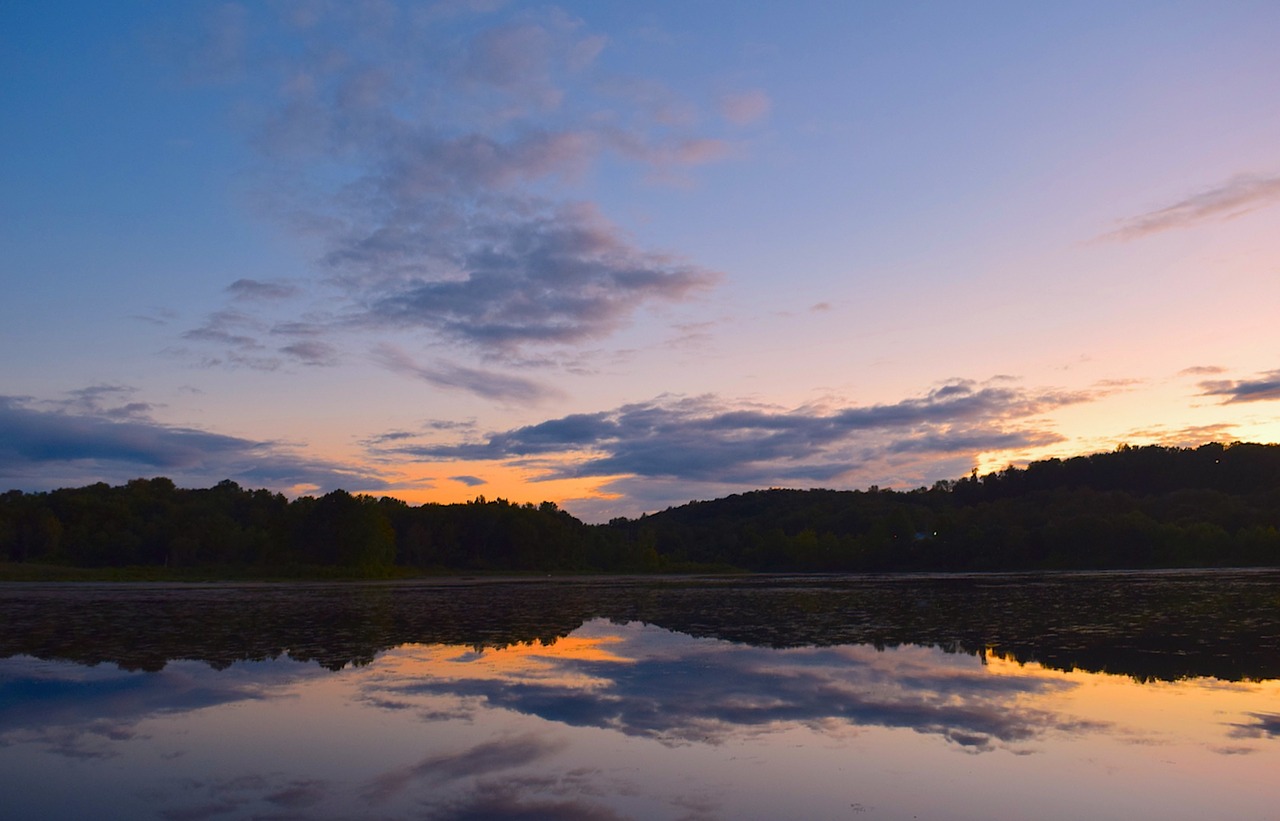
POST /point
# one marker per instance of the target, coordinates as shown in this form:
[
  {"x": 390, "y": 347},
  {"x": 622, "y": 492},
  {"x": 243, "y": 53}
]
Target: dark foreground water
[{"x": 986, "y": 697}]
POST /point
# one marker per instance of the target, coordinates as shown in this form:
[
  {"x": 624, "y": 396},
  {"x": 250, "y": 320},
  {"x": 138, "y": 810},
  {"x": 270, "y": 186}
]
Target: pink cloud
[{"x": 1237, "y": 196}]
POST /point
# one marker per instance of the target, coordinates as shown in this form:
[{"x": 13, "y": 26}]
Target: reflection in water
[
  {"x": 554, "y": 704},
  {"x": 1152, "y": 626}
]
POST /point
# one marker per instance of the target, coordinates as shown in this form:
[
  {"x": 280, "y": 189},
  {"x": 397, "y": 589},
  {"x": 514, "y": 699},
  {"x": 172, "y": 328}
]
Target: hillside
[{"x": 1215, "y": 505}]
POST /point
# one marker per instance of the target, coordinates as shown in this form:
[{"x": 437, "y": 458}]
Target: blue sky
[{"x": 626, "y": 255}]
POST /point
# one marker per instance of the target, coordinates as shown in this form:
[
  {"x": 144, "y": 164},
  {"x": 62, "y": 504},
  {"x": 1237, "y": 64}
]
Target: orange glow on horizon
[{"x": 518, "y": 485}]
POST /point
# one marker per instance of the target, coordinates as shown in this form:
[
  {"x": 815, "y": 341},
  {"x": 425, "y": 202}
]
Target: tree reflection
[{"x": 1164, "y": 626}]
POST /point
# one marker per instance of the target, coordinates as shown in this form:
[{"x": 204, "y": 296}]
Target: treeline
[
  {"x": 1216, "y": 505},
  {"x": 151, "y": 522}
]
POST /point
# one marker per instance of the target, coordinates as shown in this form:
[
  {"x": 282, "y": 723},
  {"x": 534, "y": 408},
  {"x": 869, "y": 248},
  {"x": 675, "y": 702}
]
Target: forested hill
[{"x": 1215, "y": 505}]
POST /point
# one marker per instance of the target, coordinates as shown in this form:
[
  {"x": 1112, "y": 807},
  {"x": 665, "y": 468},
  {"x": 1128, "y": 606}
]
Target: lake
[{"x": 1054, "y": 696}]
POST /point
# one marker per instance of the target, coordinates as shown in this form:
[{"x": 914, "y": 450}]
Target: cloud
[
  {"x": 102, "y": 400},
  {"x": 652, "y": 688},
  {"x": 1265, "y": 387},
  {"x": 469, "y": 481},
  {"x": 490, "y": 385},
  {"x": 1202, "y": 370},
  {"x": 1190, "y": 436},
  {"x": 519, "y": 58},
  {"x": 432, "y": 160},
  {"x": 1264, "y": 725},
  {"x": 503, "y": 800},
  {"x": 704, "y": 439},
  {"x": 87, "y": 712},
  {"x": 558, "y": 277},
  {"x": 312, "y": 352},
  {"x": 234, "y": 329},
  {"x": 482, "y": 759},
  {"x": 652, "y": 100},
  {"x": 1239, "y": 195},
  {"x": 58, "y": 448},
  {"x": 251, "y": 289},
  {"x": 745, "y": 107},
  {"x": 244, "y": 337}
]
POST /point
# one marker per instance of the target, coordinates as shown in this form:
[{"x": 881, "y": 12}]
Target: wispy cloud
[
  {"x": 490, "y": 385},
  {"x": 1184, "y": 437},
  {"x": 1202, "y": 370},
  {"x": 108, "y": 401},
  {"x": 557, "y": 277},
  {"x": 251, "y": 289},
  {"x": 1237, "y": 196},
  {"x": 482, "y": 759},
  {"x": 312, "y": 352},
  {"x": 745, "y": 107},
  {"x": 433, "y": 160},
  {"x": 1265, "y": 387}
]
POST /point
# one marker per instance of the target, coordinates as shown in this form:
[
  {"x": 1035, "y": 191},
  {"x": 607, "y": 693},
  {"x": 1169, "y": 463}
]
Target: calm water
[{"x": 986, "y": 697}]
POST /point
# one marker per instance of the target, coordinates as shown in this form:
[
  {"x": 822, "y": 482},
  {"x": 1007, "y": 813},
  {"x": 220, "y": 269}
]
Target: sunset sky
[{"x": 625, "y": 255}]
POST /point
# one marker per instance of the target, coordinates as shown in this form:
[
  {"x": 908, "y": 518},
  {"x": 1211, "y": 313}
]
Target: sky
[{"x": 621, "y": 256}]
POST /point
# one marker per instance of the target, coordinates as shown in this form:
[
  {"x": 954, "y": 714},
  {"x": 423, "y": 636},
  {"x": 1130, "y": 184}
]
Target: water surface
[{"x": 1063, "y": 696}]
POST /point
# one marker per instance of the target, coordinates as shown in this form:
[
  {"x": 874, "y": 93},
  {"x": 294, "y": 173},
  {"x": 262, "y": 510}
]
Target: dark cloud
[
  {"x": 250, "y": 289},
  {"x": 976, "y": 441},
  {"x": 469, "y": 481},
  {"x": 1265, "y": 387},
  {"x": 498, "y": 801},
  {"x": 312, "y": 352},
  {"x": 451, "y": 424},
  {"x": 490, "y": 385},
  {"x": 262, "y": 796},
  {"x": 1237, "y": 196},
  {"x": 555, "y": 277},
  {"x": 1263, "y": 725},
  {"x": 390, "y": 436},
  {"x": 700, "y": 439},
  {"x": 301, "y": 793},
  {"x": 56, "y": 448}
]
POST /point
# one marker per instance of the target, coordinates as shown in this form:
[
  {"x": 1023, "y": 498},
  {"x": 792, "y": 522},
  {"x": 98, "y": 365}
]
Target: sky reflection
[
  {"x": 628, "y": 720},
  {"x": 679, "y": 689}
]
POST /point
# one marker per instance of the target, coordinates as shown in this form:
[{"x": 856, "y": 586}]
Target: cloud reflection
[
  {"x": 78, "y": 712},
  {"x": 1263, "y": 725},
  {"x": 482, "y": 759},
  {"x": 677, "y": 690}
]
